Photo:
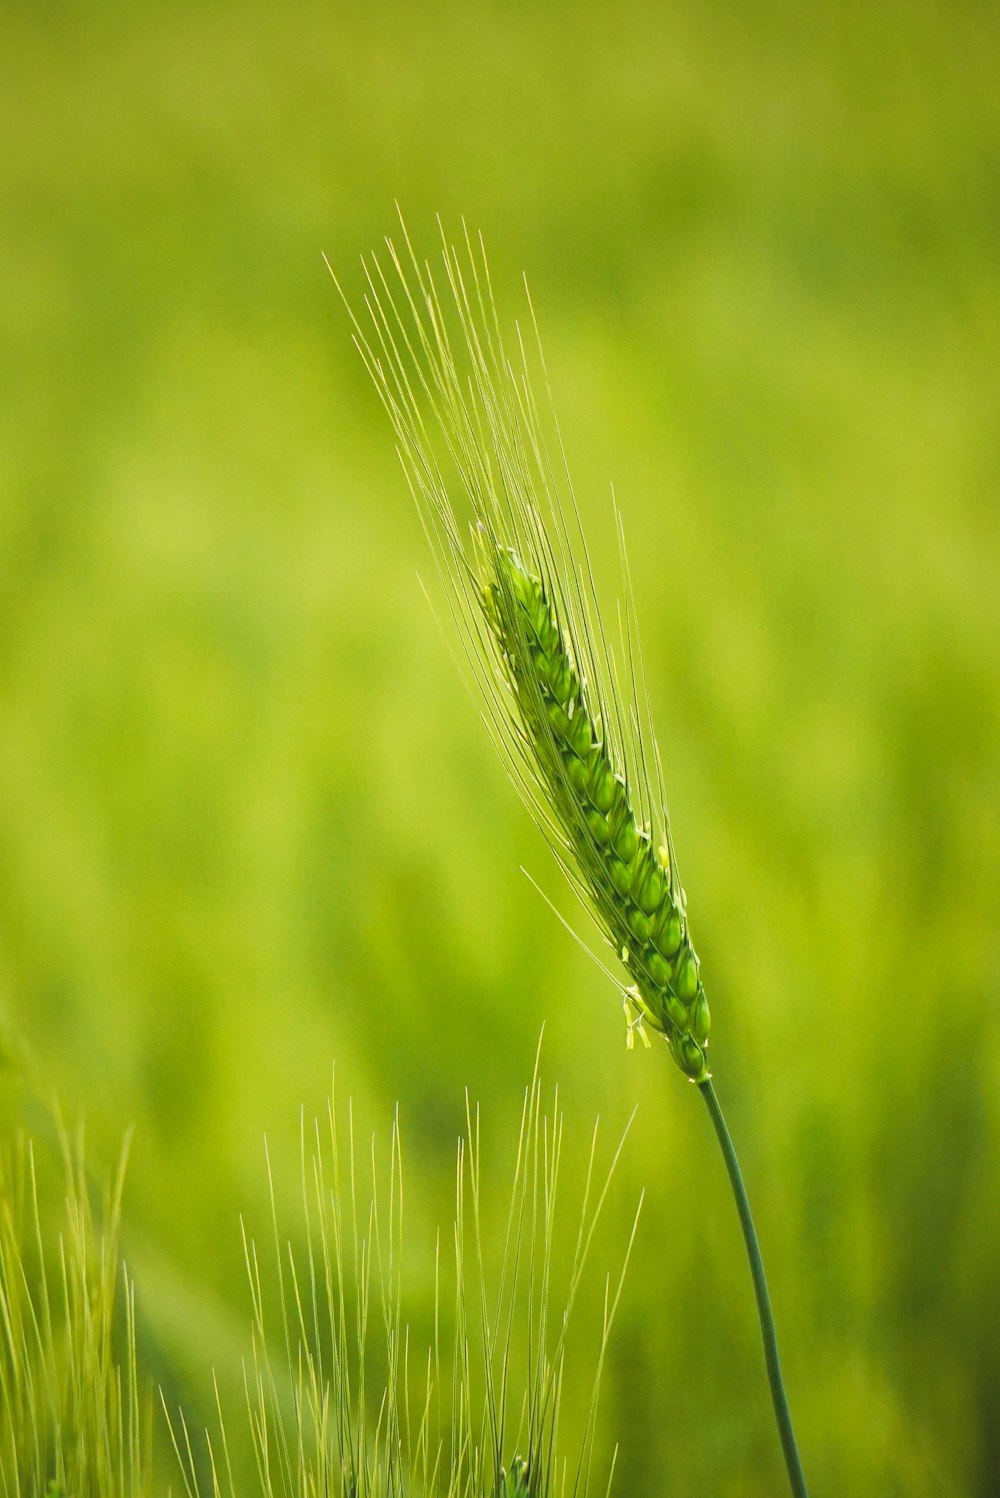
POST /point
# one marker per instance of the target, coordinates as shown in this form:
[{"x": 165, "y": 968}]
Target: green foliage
[{"x": 247, "y": 821}]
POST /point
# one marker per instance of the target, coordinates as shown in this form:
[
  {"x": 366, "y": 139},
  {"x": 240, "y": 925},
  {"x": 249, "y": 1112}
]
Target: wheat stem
[{"x": 779, "y": 1399}]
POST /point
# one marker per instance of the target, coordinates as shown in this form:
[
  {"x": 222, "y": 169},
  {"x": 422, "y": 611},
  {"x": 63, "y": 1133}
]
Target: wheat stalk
[{"x": 569, "y": 713}]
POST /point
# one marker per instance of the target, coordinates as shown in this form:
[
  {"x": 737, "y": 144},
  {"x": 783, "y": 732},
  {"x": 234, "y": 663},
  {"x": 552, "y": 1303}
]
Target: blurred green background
[{"x": 249, "y": 823}]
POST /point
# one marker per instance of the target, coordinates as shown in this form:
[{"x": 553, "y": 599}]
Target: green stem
[{"x": 778, "y": 1397}]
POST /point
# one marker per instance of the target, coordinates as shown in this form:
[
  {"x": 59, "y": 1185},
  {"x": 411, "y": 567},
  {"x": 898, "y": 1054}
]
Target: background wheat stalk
[{"x": 567, "y": 709}]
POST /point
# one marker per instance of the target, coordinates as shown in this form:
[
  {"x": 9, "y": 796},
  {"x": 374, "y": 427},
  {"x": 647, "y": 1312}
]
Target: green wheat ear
[
  {"x": 569, "y": 714},
  {"x": 630, "y": 883}
]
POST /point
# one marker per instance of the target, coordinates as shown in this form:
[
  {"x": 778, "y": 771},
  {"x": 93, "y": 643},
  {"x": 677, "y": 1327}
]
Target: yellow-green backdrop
[{"x": 249, "y": 824}]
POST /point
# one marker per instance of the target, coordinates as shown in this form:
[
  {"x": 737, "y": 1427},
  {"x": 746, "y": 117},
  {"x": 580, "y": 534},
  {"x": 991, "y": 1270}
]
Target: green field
[{"x": 250, "y": 826}]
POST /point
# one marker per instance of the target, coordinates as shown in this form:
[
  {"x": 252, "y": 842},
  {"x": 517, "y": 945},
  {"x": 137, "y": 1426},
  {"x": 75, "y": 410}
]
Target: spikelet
[
  {"x": 515, "y": 1482},
  {"x": 568, "y": 712}
]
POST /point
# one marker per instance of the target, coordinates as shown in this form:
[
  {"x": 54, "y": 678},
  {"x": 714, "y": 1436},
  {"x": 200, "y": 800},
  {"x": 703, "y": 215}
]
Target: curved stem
[{"x": 778, "y": 1397}]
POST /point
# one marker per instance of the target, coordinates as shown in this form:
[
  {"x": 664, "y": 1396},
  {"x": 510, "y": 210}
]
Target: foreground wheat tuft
[
  {"x": 567, "y": 708},
  {"x": 348, "y": 1399},
  {"x": 72, "y": 1419}
]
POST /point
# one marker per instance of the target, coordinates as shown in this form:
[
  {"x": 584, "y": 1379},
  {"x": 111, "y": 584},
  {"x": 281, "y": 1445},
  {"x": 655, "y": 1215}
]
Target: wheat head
[{"x": 568, "y": 710}]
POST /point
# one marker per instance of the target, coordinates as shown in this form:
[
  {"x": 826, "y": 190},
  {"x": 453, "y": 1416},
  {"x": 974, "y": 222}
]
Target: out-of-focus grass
[{"x": 247, "y": 820}]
